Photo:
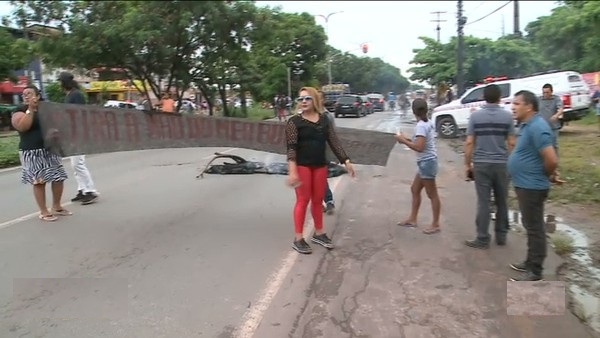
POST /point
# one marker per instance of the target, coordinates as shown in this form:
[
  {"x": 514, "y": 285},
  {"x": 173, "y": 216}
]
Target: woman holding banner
[
  {"x": 39, "y": 166},
  {"x": 307, "y": 134}
]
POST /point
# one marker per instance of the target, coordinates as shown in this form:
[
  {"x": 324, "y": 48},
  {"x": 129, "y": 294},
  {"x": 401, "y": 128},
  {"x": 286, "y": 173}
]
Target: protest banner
[{"x": 71, "y": 129}]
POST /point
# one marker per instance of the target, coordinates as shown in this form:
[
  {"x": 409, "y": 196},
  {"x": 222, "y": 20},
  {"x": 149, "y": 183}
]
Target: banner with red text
[{"x": 84, "y": 129}]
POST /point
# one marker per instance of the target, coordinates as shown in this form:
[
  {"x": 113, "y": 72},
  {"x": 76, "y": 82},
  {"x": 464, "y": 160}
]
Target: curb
[{"x": 4, "y": 170}]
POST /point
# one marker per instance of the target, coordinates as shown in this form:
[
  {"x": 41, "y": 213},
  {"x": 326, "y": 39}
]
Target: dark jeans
[
  {"x": 328, "y": 194},
  {"x": 491, "y": 177},
  {"x": 531, "y": 204}
]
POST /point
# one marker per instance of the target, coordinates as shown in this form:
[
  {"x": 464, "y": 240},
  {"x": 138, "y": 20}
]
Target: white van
[{"x": 453, "y": 117}]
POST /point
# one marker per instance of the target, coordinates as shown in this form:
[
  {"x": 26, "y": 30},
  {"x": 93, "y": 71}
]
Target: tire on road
[{"x": 446, "y": 127}]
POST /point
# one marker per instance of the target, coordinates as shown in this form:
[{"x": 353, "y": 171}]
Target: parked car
[
  {"x": 120, "y": 104},
  {"x": 350, "y": 105},
  {"x": 377, "y": 100},
  {"x": 368, "y": 105}
]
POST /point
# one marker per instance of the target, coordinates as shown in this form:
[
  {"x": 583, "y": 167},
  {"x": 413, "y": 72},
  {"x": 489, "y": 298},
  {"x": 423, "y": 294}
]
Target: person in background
[
  {"x": 145, "y": 103},
  {"x": 86, "y": 190},
  {"x": 275, "y": 105},
  {"x": 490, "y": 138},
  {"x": 596, "y": 101},
  {"x": 38, "y": 165},
  {"x": 167, "y": 104},
  {"x": 551, "y": 109},
  {"x": 281, "y": 108},
  {"x": 328, "y": 200},
  {"x": 307, "y": 134},
  {"x": 423, "y": 142},
  {"x": 532, "y": 167}
]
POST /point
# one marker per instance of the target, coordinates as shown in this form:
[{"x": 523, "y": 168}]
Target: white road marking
[
  {"x": 24, "y": 218},
  {"x": 254, "y": 315},
  {"x": 34, "y": 214}
]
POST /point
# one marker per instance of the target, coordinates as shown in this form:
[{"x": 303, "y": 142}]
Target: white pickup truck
[{"x": 453, "y": 117}]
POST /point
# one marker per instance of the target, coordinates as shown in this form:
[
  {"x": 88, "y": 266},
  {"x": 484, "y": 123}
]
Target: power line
[
  {"x": 480, "y": 4},
  {"x": 496, "y": 10}
]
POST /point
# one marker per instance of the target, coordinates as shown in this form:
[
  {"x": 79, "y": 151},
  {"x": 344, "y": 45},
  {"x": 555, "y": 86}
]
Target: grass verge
[
  {"x": 579, "y": 164},
  {"x": 9, "y": 150},
  {"x": 562, "y": 243},
  {"x": 255, "y": 113}
]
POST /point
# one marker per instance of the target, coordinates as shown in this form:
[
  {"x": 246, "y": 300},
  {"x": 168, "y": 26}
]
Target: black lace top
[{"x": 306, "y": 141}]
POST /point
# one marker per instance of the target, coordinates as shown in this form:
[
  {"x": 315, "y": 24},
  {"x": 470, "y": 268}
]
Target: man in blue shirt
[
  {"x": 532, "y": 166},
  {"x": 490, "y": 138}
]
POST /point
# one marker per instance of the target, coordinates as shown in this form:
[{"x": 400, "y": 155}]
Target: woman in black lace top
[{"x": 307, "y": 135}]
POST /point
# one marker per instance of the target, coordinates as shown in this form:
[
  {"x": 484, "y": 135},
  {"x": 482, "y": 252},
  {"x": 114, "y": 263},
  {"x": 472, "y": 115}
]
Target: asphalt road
[{"x": 162, "y": 254}]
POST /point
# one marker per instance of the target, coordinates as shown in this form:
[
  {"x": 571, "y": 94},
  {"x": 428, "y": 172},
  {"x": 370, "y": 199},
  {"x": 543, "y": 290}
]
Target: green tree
[
  {"x": 434, "y": 63},
  {"x": 568, "y": 38},
  {"x": 362, "y": 73},
  {"x": 222, "y": 61},
  {"x": 149, "y": 40},
  {"x": 509, "y": 56},
  {"x": 14, "y": 54},
  {"x": 54, "y": 92},
  {"x": 281, "y": 40}
]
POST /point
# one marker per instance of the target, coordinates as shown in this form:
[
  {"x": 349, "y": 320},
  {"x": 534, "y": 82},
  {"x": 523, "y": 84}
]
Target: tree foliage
[
  {"x": 54, "y": 92},
  {"x": 212, "y": 45},
  {"x": 508, "y": 56},
  {"x": 14, "y": 54},
  {"x": 567, "y": 39}
]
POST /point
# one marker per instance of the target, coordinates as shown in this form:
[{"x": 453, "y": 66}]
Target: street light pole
[{"x": 326, "y": 17}]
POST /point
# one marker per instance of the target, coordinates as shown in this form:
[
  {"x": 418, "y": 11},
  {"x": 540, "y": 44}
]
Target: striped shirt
[{"x": 490, "y": 126}]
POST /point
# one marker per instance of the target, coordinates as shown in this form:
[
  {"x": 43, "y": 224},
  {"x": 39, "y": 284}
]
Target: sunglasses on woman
[{"x": 304, "y": 98}]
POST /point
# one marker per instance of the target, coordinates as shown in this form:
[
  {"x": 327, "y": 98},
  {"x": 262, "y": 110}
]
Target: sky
[{"x": 391, "y": 28}]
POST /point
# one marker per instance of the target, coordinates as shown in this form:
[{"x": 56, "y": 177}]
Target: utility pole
[
  {"x": 517, "y": 30},
  {"x": 502, "y": 24},
  {"x": 438, "y": 23},
  {"x": 462, "y": 20}
]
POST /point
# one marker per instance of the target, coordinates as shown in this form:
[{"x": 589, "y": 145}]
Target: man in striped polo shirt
[{"x": 490, "y": 139}]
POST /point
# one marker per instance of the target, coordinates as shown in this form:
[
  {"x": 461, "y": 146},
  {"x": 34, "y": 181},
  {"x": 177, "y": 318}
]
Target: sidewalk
[{"x": 387, "y": 281}]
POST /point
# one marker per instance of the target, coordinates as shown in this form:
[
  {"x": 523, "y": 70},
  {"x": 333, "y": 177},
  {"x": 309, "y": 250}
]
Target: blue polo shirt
[{"x": 525, "y": 163}]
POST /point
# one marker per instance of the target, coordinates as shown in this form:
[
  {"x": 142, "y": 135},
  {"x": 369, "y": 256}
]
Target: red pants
[{"x": 311, "y": 189}]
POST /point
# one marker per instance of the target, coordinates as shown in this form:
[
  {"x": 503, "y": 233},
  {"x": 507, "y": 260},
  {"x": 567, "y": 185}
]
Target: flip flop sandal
[
  {"x": 62, "y": 212},
  {"x": 407, "y": 224},
  {"x": 431, "y": 231},
  {"x": 48, "y": 218}
]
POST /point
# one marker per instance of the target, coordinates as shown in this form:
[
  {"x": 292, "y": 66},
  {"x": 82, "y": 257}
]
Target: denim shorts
[{"x": 428, "y": 168}]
